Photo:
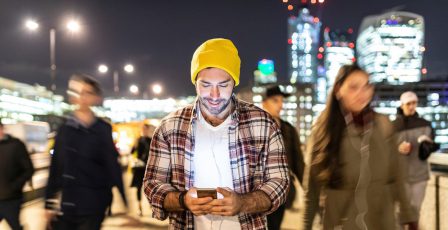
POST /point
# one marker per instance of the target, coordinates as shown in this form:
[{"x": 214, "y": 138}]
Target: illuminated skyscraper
[
  {"x": 339, "y": 50},
  {"x": 390, "y": 47},
  {"x": 303, "y": 40}
]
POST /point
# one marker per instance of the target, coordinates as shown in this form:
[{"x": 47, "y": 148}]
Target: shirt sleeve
[
  {"x": 156, "y": 182},
  {"x": 276, "y": 184}
]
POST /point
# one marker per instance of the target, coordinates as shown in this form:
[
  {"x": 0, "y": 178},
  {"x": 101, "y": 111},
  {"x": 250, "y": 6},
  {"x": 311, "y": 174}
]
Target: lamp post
[
  {"x": 128, "y": 68},
  {"x": 72, "y": 26}
]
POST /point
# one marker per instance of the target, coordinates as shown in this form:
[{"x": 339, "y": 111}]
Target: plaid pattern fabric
[{"x": 258, "y": 161}]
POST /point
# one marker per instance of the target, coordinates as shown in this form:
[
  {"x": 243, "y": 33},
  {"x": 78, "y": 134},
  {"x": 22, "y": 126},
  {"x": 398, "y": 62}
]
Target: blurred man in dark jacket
[
  {"x": 84, "y": 167},
  {"x": 273, "y": 103},
  {"x": 15, "y": 169}
]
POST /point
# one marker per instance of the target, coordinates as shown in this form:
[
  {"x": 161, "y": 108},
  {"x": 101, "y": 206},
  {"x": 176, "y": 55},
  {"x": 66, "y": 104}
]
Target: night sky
[{"x": 159, "y": 37}]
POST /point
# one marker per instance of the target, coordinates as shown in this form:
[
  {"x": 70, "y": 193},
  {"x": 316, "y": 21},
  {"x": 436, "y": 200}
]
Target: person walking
[
  {"x": 354, "y": 170},
  {"x": 16, "y": 169}
]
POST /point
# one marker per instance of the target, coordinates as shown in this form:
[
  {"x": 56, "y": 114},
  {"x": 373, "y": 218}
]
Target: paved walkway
[{"x": 32, "y": 215}]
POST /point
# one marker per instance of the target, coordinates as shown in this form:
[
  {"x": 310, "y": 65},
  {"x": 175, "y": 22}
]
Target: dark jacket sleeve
[
  {"x": 25, "y": 165},
  {"x": 299, "y": 166},
  {"x": 112, "y": 164},
  {"x": 294, "y": 152},
  {"x": 56, "y": 169}
]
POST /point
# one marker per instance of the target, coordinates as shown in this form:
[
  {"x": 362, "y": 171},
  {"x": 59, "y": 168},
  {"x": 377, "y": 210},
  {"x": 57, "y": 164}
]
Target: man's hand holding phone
[
  {"x": 199, "y": 205},
  {"x": 207, "y": 192}
]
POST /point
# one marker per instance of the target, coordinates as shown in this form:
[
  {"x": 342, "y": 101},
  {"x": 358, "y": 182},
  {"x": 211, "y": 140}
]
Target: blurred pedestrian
[
  {"x": 225, "y": 149},
  {"x": 412, "y": 131},
  {"x": 141, "y": 148},
  {"x": 84, "y": 166},
  {"x": 273, "y": 104},
  {"x": 15, "y": 169},
  {"x": 354, "y": 170}
]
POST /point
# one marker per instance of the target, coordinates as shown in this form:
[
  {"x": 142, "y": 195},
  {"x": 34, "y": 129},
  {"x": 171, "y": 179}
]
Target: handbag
[{"x": 426, "y": 148}]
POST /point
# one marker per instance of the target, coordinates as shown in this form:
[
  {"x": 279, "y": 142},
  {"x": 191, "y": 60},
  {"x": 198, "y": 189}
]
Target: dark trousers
[
  {"x": 89, "y": 222},
  {"x": 275, "y": 218},
  {"x": 10, "y": 210}
]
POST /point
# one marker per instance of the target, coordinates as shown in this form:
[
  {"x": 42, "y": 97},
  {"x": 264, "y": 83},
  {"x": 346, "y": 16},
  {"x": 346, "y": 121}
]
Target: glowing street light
[
  {"x": 72, "y": 26},
  {"x": 129, "y": 68},
  {"x": 103, "y": 68},
  {"x": 133, "y": 89},
  {"x": 157, "y": 89},
  {"x": 31, "y": 25}
]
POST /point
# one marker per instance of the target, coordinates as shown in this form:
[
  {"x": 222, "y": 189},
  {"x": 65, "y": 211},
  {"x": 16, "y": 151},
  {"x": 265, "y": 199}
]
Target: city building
[
  {"x": 390, "y": 47},
  {"x": 303, "y": 42},
  {"x": 338, "y": 50},
  {"x": 21, "y": 102}
]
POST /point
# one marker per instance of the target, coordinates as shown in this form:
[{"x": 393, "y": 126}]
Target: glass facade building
[
  {"x": 303, "y": 41},
  {"x": 339, "y": 50},
  {"x": 390, "y": 47}
]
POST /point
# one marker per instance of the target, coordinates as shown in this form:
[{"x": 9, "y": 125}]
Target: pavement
[{"x": 32, "y": 214}]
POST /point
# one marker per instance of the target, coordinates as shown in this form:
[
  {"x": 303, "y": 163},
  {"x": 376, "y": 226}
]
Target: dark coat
[
  {"x": 142, "y": 149},
  {"x": 15, "y": 168},
  {"x": 384, "y": 188},
  {"x": 84, "y": 167},
  {"x": 294, "y": 155},
  {"x": 410, "y": 128}
]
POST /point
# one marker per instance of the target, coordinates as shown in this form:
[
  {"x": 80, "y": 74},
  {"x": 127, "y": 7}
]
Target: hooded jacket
[{"x": 409, "y": 128}]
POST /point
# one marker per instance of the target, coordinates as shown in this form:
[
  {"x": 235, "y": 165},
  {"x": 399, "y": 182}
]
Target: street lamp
[
  {"x": 72, "y": 26},
  {"x": 134, "y": 89},
  {"x": 157, "y": 89},
  {"x": 128, "y": 68}
]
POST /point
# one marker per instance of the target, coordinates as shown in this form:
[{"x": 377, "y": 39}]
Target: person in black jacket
[
  {"x": 15, "y": 169},
  {"x": 273, "y": 103},
  {"x": 84, "y": 166},
  {"x": 138, "y": 169}
]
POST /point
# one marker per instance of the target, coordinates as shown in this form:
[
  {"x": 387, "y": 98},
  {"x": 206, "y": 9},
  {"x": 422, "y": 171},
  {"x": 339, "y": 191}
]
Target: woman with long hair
[{"x": 353, "y": 171}]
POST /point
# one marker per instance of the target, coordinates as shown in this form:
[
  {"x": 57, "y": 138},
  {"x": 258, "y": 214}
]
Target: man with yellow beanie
[{"x": 218, "y": 163}]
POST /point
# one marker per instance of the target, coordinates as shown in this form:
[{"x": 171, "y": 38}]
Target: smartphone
[{"x": 207, "y": 192}]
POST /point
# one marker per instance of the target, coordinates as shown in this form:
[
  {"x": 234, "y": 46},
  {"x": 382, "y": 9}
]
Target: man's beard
[{"x": 214, "y": 111}]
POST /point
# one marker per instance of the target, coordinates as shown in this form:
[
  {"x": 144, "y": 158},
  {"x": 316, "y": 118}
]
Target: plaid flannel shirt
[{"x": 257, "y": 155}]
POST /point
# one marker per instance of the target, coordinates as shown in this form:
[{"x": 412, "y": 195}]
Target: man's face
[
  {"x": 83, "y": 95},
  {"x": 409, "y": 108},
  {"x": 214, "y": 87},
  {"x": 273, "y": 105}
]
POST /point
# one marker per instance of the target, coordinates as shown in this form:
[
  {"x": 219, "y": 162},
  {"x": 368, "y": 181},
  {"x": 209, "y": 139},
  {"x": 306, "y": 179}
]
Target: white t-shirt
[{"x": 212, "y": 168}]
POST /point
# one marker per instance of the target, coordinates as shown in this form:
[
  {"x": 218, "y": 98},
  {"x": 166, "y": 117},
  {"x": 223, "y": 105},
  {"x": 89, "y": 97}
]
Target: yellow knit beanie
[{"x": 219, "y": 53}]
